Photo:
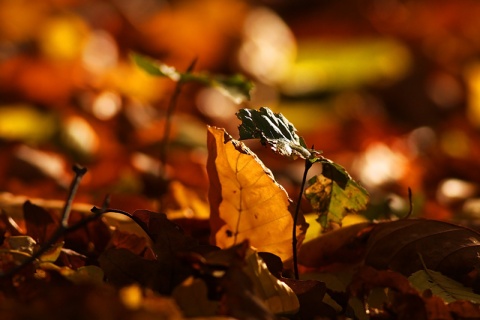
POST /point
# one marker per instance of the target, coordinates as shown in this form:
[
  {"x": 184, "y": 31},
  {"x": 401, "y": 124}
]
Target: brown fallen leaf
[
  {"x": 464, "y": 310},
  {"x": 368, "y": 278},
  {"x": 344, "y": 245},
  {"x": 245, "y": 200},
  {"x": 405, "y": 302},
  {"x": 444, "y": 247},
  {"x": 132, "y": 242},
  {"x": 398, "y": 245}
]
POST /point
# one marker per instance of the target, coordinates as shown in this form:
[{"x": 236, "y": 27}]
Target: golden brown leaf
[{"x": 245, "y": 200}]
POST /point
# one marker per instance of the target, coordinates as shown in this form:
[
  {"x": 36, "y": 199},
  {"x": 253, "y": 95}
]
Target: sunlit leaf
[
  {"x": 442, "y": 286},
  {"x": 87, "y": 273},
  {"x": 53, "y": 253},
  {"x": 23, "y": 244},
  {"x": 272, "y": 129},
  {"x": 278, "y": 296},
  {"x": 183, "y": 202},
  {"x": 334, "y": 194},
  {"x": 246, "y": 288},
  {"x": 81, "y": 275},
  {"x": 245, "y": 200},
  {"x": 235, "y": 87}
]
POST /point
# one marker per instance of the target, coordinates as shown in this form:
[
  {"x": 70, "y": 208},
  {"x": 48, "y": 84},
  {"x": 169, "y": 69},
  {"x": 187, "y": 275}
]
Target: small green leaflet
[
  {"x": 442, "y": 286},
  {"x": 273, "y": 129},
  {"x": 334, "y": 194},
  {"x": 235, "y": 87}
]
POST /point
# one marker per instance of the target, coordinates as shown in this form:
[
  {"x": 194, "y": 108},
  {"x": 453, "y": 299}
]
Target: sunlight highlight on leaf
[
  {"x": 444, "y": 287},
  {"x": 334, "y": 194},
  {"x": 278, "y": 296},
  {"x": 245, "y": 200}
]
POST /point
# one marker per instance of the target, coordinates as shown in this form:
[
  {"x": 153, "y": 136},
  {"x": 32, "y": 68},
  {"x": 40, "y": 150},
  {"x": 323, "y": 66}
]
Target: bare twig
[
  {"x": 79, "y": 173},
  {"x": 168, "y": 120},
  {"x": 62, "y": 228},
  {"x": 308, "y": 165},
  {"x": 100, "y": 211}
]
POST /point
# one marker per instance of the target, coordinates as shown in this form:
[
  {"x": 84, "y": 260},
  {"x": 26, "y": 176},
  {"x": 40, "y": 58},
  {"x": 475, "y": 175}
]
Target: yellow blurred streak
[
  {"x": 472, "y": 77},
  {"x": 22, "y": 122},
  {"x": 63, "y": 37},
  {"x": 135, "y": 83},
  {"x": 323, "y": 65},
  {"x": 353, "y": 219},
  {"x": 19, "y": 19},
  {"x": 315, "y": 229}
]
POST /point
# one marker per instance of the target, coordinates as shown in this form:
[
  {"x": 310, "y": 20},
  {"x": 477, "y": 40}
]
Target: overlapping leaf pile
[{"x": 84, "y": 267}]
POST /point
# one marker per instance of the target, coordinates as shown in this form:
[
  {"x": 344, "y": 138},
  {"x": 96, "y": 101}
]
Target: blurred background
[{"x": 389, "y": 89}]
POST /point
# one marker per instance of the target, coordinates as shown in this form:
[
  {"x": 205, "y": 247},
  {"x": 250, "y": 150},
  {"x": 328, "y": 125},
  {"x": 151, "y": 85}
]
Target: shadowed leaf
[
  {"x": 123, "y": 267},
  {"x": 41, "y": 224},
  {"x": 168, "y": 237},
  {"x": 444, "y": 247},
  {"x": 345, "y": 245}
]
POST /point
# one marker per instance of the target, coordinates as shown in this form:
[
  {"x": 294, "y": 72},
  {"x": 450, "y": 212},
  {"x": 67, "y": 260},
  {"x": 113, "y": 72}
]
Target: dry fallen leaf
[
  {"x": 444, "y": 247},
  {"x": 245, "y": 200}
]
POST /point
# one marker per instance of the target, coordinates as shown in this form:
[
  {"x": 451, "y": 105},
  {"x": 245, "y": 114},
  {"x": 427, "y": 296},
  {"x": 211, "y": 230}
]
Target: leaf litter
[{"x": 230, "y": 279}]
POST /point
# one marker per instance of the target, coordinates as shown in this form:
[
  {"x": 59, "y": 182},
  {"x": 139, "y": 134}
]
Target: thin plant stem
[
  {"x": 308, "y": 165},
  {"x": 410, "y": 202},
  {"x": 79, "y": 173},
  {"x": 168, "y": 120}
]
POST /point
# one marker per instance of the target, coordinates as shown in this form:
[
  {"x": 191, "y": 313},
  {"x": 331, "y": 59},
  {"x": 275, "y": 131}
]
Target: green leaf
[
  {"x": 235, "y": 87},
  {"x": 334, "y": 194},
  {"x": 442, "y": 286},
  {"x": 155, "y": 68},
  {"x": 273, "y": 129}
]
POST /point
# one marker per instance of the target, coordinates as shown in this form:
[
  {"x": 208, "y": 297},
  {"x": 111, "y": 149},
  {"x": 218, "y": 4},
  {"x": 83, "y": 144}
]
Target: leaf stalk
[{"x": 308, "y": 165}]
